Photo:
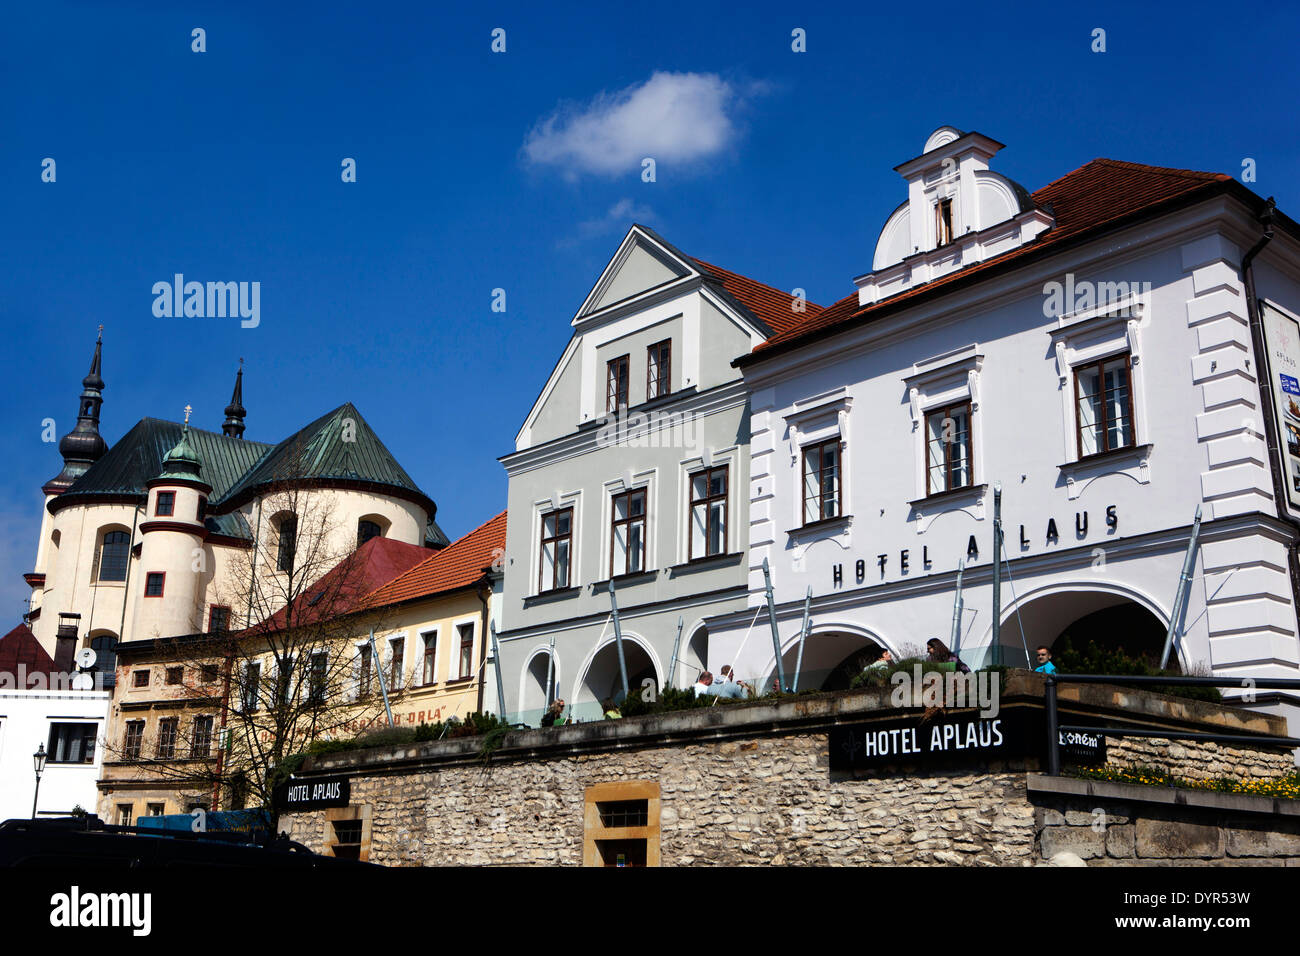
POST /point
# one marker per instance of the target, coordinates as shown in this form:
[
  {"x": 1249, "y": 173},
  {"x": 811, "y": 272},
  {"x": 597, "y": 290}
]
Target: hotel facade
[{"x": 1093, "y": 351}]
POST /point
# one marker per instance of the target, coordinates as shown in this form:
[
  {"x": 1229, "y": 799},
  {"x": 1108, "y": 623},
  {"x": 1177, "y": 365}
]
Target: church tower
[
  {"x": 173, "y": 561},
  {"x": 233, "y": 427},
  {"x": 83, "y": 446}
]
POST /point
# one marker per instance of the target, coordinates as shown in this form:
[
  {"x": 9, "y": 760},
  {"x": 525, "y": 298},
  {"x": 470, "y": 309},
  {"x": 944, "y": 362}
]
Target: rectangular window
[
  {"x": 218, "y": 619},
  {"x": 318, "y": 677},
  {"x": 252, "y": 688},
  {"x": 821, "y": 481},
  {"x": 71, "y": 743},
  {"x": 943, "y": 222},
  {"x": 658, "y": 370},
  {"x": 708, "y": 522},
  {"x": 429, "y": 671},
  {"x": 140, "y": 678},
  {"x": 363, "y": 672},
  {"x": 616, "y": 384},
  {"x": 627, "y": 533},
  {"x": 557, "y": 547},
  {"x": 1104, "y": 396},
  {"x": 175, "y": 675},
  {"x": 166, "y": 504},
  {"x": 153, "y": 583},
  {"x": 167, "y": 737},
  {"x": 283, "y": 682},
  {"x": 124, "y": 814},
  {"x": 287, "y": 543},
  {"x": 208, "y": 673},
  {"x": 466, "y": 634},
  {"x": 155, "y": 809},
  {"x": 134, "y": 737},
  {"x": 948, "y": 449},
  {"x": 397, "y": 648},
  {"x": 347, "y": 839},
  {"x": 202, "y": 511},
  {"x": 201, "y": 741},
  {"x": 621, "y": 824}
]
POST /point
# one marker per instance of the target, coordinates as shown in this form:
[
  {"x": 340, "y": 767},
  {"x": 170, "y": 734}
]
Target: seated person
[
  {"x": 940, "y": 654},
  {"x": 1045, "y": 665},
  {"x": 703, "y": 685}
]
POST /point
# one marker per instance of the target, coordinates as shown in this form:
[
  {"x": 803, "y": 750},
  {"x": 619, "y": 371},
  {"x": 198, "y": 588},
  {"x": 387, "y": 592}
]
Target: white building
[
  {"x": 39, "y": 708},
  {"x": 1089, "y": 347}
]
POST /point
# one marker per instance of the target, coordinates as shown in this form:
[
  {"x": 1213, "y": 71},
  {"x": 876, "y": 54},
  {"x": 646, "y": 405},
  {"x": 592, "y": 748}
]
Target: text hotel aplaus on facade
[{"x": 1089, "y": 347}]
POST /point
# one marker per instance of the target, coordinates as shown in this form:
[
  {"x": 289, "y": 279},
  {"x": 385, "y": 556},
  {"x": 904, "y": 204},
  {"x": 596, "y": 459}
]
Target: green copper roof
[
  {"x": 183, "y": 461},
  {"x": 338, "y": 446}
]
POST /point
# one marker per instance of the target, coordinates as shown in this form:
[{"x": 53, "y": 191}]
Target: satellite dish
[
  {"x": 83, "y": 682},
  {"x": 86, "y": 658}
]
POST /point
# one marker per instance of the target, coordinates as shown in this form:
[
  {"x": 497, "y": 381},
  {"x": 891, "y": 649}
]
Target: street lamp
[{"x": 38, "y": 761}]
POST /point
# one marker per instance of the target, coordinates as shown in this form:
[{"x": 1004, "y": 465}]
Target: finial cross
[{"x": 187, "y": 414}]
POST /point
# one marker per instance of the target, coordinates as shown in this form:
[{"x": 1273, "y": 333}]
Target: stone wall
[
  {"x": 1109, "y": 824},
  {"x": 748, "y": 784}
]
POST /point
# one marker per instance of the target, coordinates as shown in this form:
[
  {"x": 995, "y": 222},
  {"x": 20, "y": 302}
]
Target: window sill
[
  {"x": 457, "y": 681},
  {"x": 841, "y": 523},
  {"x": 967, "y": 493},
  {"x": 724, "y": 560},
  {"x": 1130, "y": 455},
  {"x": 625, "y": 580},
  {"x": 546, "y": 597}
]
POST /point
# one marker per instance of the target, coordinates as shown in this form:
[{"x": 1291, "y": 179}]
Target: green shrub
[{"x": 1093, "y": 658}]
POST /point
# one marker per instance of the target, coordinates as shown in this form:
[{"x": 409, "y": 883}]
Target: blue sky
[{"x": 517, "y": 170}]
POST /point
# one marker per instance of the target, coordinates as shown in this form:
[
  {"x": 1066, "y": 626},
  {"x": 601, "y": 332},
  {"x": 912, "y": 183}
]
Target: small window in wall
[
  {"x": 466, "y": 634},
  {"x": 367, "y": 530},
  {"x": 658, "y": 373},
  {"x": 348, "y": 832},
  {"x": 943, "y": 222},
  {"x": 557, "y": 546},
  {"x": 429, "y": 672},
  {"x": 708, "y": 521},
  {"x": 202, "y": 512},
  {"x": 165, "y": 505},
  {"x": 155, "y": 809},
  {"x": 140, "y": 678},
  {"x": 363, "y": 672},
  {"x": 134, "y": 737},
  {"x": 167, "y": 728},
  {"x": 316, "y": 678},
  {"x": 252, "y": 688},
  {"x": 208, "y": 673},
  {"x": 948, "y": 448},
  {"x": 1104, "y": 394},
  {"x": 627, "y": 533},
  {"x": 821, "y": 481},
  {"x": 397, "y": 647},
  {"x": 175, "y": 675},
  {"x": 218, "y": 618},
  {"x": 616, "y": 384},
  {"x": 124, "y": 817},
  {"x": 154, "y": 582},
  {"x": 287, "y": 544},
  {"x": 201, "y": 738},
  {"x": 71, "y": 743},
  {"x": 621, "y": 824}
]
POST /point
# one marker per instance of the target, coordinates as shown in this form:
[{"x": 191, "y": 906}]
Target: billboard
[{"x": 1282, "y": 343}]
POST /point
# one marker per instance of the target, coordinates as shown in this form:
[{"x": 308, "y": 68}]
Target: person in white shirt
[{"x": 703, "y": 684}]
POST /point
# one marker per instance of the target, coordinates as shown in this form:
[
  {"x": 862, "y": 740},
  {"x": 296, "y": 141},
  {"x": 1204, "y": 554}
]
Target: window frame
[
  {"x": 251, "y": 692},
  {"x": 212, "y": 610},
  {"x": 617, "y": 383},
  {"x": 133, "y": 743},
  {"x": 378, "y": 533},
  {"x": 838, "y": 442},
  {"x": 1104, "y": 424},
  {"x": 126, "y": 556},
  {"x": 291, "y": 550},
  {"x": 706, "y": 502},
  {"x": 203, "y": 737},
  {"x": 317, "y": 677},
  {"x": 944, "y": 204},
  {"x": 556, "y": 539},
  {"x": 162, "y": 583},
  {"x": 158, "y": 511},
  {"x": 136, "y": 683},
  {"x": 73, "y": 736},
  {"x": 945, "y": 412},
  {"x": 178, "y": 672},
  {"x": 429, "y": 658},
  {"x": 464, "y": 666},
  {"x": 168, "y": 733},
  {"x": 365, "y": 675},
  {"x": 661, "y": 384},
  {"x": 615, "y": 522},
  {"x": 396, "y": 663}
]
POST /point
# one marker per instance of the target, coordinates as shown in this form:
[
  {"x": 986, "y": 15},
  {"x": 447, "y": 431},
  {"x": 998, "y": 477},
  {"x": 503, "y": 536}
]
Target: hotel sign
[
  {"x": 1282, "y": 343},
  {"x": 319, "y": 793},
  {"x": 955, "y": 739}
]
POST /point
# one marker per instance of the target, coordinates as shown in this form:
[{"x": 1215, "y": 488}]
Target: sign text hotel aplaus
[
  {"x": 907, "y": 561},
  {"x": 319, "y": 794}
]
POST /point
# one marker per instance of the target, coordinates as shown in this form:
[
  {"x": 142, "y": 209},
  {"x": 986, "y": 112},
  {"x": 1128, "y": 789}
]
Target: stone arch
[
  {"x": 833, "y": 653},
  {"x": 598, "y": 677},
  {"x": 1110, "y": 613}
]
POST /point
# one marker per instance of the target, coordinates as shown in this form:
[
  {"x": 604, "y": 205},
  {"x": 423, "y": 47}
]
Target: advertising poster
[{"x": 1282, "y": 340}]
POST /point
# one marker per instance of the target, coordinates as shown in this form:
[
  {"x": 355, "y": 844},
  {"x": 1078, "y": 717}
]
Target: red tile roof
[
  {"x": 344, "y": 587},
  {"x": 771, "y": 305},
  {"x": 1093, "y": 197},
  {"x": 458, "y": 565},
  {"x": 20, "y": 646}
]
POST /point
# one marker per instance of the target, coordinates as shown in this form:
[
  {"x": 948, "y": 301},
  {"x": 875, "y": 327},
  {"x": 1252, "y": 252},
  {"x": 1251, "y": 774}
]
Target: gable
[{"x": 641, "y": 264}]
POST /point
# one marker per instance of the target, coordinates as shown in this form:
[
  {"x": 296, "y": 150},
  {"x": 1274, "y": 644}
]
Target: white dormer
[{"x": 958, "y": 212}]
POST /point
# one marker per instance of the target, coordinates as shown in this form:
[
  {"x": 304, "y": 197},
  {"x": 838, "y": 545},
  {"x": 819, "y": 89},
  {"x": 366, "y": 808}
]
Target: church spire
[
  {"x": 233, "y": 427},
  {"x": 83, "y": 446}
]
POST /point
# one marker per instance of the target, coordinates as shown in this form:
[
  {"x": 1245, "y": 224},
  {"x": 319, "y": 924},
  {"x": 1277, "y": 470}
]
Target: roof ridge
[{"x": 740, "y": 275}]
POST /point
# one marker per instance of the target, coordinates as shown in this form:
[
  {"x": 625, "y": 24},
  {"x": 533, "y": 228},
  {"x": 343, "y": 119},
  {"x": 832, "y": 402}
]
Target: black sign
[
  {"x": 961, "y": 738},
  {"x": 318, "y": 793}
]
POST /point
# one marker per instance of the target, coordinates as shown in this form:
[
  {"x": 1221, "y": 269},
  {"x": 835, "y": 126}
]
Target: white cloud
[{"x": 674, "y": 118}]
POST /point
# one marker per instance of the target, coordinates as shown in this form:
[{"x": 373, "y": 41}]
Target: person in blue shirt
[{"x": 1045, "y": 665}]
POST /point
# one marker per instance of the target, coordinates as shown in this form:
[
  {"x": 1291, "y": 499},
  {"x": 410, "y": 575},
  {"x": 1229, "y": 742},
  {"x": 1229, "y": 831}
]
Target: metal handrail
[{"x": 1054, "y": 727}]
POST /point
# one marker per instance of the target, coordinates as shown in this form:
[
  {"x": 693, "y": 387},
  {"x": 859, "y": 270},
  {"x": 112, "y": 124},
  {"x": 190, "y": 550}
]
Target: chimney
[{"x": 65, "y": 643}]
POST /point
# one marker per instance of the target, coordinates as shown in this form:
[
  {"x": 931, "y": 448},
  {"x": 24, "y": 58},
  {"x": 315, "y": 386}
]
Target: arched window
[
  {"x": 105, "y": 648},
  {"x": 367, "y": 530},
  {"x": 114, "y": 551},
  {"x": 288, "y": 528}
]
